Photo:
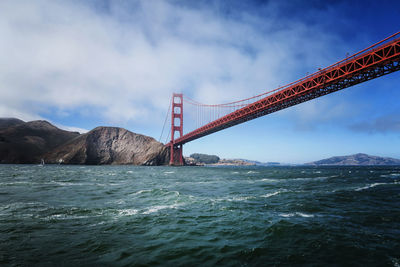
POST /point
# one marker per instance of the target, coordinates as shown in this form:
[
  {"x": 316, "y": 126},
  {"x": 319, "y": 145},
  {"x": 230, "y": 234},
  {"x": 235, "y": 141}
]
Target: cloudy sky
[{"x": 81, "y": 64}]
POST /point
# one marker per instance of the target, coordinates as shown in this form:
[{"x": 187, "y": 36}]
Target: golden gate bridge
[{"x": 372, "y": 62}]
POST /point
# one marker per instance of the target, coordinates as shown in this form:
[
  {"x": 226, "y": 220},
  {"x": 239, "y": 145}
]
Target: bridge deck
[{"x": 378, "y": 60}]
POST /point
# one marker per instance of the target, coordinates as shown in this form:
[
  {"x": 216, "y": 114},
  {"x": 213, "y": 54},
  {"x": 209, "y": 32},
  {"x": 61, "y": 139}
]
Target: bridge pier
[{"x": 176, "y": 157}]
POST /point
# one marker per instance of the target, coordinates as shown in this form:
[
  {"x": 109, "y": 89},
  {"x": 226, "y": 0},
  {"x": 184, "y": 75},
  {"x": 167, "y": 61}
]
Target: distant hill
[
  {"x": 26, "y": 142},
  {"x": 258, "y": 163},
  {"x": 204, "y": 158},
  {"x": 29, "y": 142},
  {"x": 234, "y": 162},
  {"x": 357, "y": 160},
  {"x": 8, "y": 122}
]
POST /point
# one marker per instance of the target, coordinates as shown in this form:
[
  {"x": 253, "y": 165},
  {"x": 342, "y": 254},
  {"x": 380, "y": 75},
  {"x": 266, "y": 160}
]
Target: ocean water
[{"x": 199, "y": 216}]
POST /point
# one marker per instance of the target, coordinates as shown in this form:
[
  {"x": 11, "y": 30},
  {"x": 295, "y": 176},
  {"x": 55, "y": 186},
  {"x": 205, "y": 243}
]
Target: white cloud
[
  {"x": 124, "y": 64},
  {"x": 382, "y": 124},
  {"x": 333, "y": 110}
]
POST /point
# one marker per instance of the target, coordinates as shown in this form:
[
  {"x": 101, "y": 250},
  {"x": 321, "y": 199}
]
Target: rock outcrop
[
  {"x": 356, "y": 160},
  {"x": 30, "y": 142},
  {"x": 26, "y": 142},
  {"x": 110, "y": 145}
]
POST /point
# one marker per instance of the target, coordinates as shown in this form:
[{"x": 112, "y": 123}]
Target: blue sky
[{"x": 81, "y": 64}]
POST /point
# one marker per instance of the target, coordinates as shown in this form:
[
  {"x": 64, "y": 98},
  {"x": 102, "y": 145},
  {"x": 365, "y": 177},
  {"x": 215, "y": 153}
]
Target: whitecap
[
  {"x": 15, "y": 183},
  {"x": 250, "y": 172},
  {"x": 66, "y": 217},
  {"x": 168, "y": 172},
  {"x": 232, "y": 199},
  {"x": 286, "y": 215},
  {"x": 157, "y": 208},
  {"x": 369, "y": 186},
  {"x": 304, "y": 215},
  {"x": 140, "y": 192},
  {"x": 269, "y": 180},
  {"x": 55, "y": 216},
  {"x": 271, "y": 194},
  {"x": 243, "y": 198},
  {"x": 206, "y": 182},
  {"x": 119, "y": 201},
  {"x": 176, "y": 193},
  {"x": 127, "y": 212},
  {"x": 129, "y": 171},
  {"x": 96, "y": 224},
  {"x": 396, "y": 262}
]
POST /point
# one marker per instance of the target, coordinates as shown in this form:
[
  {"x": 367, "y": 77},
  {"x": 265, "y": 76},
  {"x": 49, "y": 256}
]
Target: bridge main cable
[{"x": 374, "y": 61}]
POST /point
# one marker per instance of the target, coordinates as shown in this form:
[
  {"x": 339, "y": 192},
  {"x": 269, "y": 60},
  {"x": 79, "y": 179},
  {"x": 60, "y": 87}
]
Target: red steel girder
[{"x": 361, "y": 67}]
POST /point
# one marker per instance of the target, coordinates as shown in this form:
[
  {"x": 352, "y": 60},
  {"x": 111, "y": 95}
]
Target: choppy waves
[{"x": 124, "y": 215}]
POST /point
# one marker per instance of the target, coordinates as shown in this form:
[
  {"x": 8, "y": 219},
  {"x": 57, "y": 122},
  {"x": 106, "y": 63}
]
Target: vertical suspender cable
[{"x": 165, "y": 121}]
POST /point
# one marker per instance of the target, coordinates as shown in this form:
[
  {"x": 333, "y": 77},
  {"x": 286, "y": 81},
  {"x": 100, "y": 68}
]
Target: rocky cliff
[
  {"x": 29, "y": 142},
  {"x": 356, "y": 160},
  {"x": 110, "y": 145}
]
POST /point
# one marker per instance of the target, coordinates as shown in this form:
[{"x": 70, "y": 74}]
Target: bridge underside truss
[{"x": 356, "y": 69}]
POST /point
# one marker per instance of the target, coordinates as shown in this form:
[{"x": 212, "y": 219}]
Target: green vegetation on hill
[{"x": 204, "y": 158}]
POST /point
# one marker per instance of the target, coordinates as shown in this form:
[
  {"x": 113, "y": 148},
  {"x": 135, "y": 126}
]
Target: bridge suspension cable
[
  {"x": 242, "y": 103},
  {"x": 165, "y": 122},
  {"x": 372, "y": 62}
]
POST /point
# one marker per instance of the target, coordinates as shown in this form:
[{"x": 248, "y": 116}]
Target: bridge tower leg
[{"x": 176, "y": 157}]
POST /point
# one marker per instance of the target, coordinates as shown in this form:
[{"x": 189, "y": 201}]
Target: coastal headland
[
  {"x": 30, "y": 142},
  {"x": 36, "y": 141}
]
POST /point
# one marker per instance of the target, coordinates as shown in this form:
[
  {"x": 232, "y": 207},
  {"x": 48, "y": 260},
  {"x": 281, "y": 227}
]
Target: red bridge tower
[{"x": 176, "y": 126}]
